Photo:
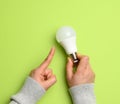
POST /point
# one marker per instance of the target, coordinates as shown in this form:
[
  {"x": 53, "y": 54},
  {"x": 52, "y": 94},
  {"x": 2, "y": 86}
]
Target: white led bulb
[{"x": 66, "y": 36}]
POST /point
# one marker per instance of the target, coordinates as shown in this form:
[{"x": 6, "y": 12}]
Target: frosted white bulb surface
[
  {"x": 65, "y": 33},
  {"x": 66, "y": 36}
]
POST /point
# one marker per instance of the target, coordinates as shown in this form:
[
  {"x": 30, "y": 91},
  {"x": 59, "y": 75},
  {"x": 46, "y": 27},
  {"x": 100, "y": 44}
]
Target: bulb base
[{"x": 74, "y": 57}]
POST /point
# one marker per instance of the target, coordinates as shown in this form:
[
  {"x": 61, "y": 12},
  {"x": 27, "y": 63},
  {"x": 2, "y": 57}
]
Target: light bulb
[{"x": 66, "y": 36}]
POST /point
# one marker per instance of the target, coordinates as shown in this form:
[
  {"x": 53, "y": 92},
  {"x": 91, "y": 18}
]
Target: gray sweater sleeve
[
  {"x": 30, "y": 93},
  {"x": 83, "y": 94}
]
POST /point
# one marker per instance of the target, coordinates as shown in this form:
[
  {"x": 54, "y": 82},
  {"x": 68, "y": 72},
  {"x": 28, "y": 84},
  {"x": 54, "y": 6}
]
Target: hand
[
  {"x": 83, "y": 73},
  {"x": 43, "y": 75}
]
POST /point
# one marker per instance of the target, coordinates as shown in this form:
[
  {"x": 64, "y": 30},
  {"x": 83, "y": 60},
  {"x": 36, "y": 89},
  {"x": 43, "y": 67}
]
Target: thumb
[
  {"x": 50, "y": 81},
  {"x": 83, "y": 63},
  {"x": 69, "y": 69}
]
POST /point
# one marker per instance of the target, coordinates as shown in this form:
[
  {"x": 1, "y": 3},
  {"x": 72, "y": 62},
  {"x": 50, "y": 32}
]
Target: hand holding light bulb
[{"x": 66, "y": 36}]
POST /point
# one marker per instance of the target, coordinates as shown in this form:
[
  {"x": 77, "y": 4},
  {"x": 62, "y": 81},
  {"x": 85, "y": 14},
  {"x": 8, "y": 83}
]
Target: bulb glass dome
[{"x": 65, "y": 33}]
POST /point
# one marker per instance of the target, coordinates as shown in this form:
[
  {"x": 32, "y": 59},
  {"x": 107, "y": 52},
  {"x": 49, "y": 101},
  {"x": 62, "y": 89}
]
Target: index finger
[{"x": 48, "y": 59}]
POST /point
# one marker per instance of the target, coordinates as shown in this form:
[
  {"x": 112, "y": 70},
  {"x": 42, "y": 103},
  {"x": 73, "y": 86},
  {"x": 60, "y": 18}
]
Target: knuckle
[
  {"x": 86, "y": 57},
  {"x": 50, "y": 70},
  {"x": 32, "y": 72},
  {"x": 68, "y": 78}
]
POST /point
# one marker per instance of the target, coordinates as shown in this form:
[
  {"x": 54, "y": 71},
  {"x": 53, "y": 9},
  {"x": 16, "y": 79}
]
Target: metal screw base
[{"x": 74, "y": 57}]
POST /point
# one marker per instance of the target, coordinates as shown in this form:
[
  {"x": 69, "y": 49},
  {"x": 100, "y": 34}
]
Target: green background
[{"x": 27, "y": 32}]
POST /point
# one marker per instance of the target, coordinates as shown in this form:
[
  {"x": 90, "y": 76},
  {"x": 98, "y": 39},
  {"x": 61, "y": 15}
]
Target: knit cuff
[
  {"x": 83, "y": 94},
  {"x": 30, "y": 93}
]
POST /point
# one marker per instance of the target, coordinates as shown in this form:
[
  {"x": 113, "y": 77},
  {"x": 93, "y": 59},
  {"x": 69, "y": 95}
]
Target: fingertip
[
  {"x": 48, "y": 59},
  {"x": 50, "y": 55},
  {"x": 53, "y": 48},
  {"x": 79, "y": 56}
]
